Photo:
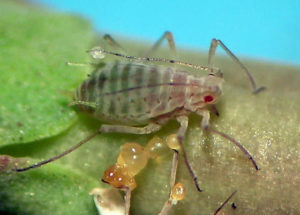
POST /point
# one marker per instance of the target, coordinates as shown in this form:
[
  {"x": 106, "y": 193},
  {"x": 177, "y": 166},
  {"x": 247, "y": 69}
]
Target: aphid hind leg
[
  {"x": 211, "y": 56},
  {"x": 183, "y": 121},
  {"x": 152, "y": 127},
  {"x": 68, "y": 151},
  {"x": 205, "y": 126},
  {"x": 91, "y": 105},
  {"x": 169, "y": 37}
]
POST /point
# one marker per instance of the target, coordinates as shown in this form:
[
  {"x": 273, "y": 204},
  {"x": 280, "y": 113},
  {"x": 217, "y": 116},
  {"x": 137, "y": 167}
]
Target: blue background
[{"x": 261, "y": 29}]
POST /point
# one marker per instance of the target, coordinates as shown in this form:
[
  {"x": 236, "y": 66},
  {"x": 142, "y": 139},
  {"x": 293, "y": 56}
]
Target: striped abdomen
[{"x": 131, "y": 93}]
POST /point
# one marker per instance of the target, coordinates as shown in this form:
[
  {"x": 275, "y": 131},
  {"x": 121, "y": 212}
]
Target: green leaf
[
  {"x": 267, "y": 124},
  {"x": 53, "y": 190},
  {"x": 35, "y": 46}
]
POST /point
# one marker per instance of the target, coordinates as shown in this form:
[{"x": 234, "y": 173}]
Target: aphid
[
  {"x": 131, "y": 160},
  {"x": 178, "y": 193},
  {"x": 131, "y": 94}
]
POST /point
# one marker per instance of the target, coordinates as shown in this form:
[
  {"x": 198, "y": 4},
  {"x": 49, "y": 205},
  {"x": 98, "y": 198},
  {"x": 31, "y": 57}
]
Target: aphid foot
[
  {"x": 197, "y": 185},
  {"x": 258, "y": 90},
  {"x": 254, "y": 163},
  {"x": 237, "y": 144}
]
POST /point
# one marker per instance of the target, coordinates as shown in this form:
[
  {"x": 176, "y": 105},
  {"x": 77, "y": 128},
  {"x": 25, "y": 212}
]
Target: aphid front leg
[
  {"x": 205, "y": 126},
  {"x": 150, "y": 128},
  {"x": 211, "y": 56},
  {"x": 183, "y": 121},
  {"x": 205, "y": 118},
  {"x": 169, "y": 37}
]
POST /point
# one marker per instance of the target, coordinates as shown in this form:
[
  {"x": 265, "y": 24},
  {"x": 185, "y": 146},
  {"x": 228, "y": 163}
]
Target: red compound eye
[{"x": 208, "y": 99}]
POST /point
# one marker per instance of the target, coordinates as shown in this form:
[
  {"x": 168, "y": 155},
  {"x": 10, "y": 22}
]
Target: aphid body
[{"x": 137, "y": 94}]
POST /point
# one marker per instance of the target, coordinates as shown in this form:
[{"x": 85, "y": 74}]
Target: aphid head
[
  {"x": 97, "y": 52},
  {"x": 117, "y": 176},
  {"x": 206, "y": 92}
]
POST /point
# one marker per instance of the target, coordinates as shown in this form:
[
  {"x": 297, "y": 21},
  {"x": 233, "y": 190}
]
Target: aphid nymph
[
  {"x": 133, "y": 158},
  {"x": 139, "y": 98}
]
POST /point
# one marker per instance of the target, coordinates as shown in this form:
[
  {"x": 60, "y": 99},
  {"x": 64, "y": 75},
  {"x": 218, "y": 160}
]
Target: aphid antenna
[
  {"x": 213, "y": 130},
  {"x": 81, "y": 64},
  {"x": 88, "y": 138},
  {"x": 98, "y": 51},
  {"x": 225, "y": 202}
]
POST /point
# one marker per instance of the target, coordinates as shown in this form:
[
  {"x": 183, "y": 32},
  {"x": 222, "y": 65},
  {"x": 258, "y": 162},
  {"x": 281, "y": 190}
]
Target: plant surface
[{"x": 37, "y": 123}]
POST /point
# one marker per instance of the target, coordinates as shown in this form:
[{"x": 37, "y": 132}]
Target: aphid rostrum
[{"x": 139, "y": 98}]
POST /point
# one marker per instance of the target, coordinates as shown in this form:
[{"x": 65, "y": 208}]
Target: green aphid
[{"x": 137, "y": 96}]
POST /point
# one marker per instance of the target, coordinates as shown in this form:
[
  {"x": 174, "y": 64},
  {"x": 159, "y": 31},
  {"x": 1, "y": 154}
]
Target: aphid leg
[
  {"x": 205, "y": 125},
  {"x": 177, "y": 193},
  {"x": 225, "y": 202},
  {"x": 150, "y": 128},
  {"x": 83, "y": 103},
  {"x": 174, "y": 169},
  {"x": 168, "y": 204},
  {"x": 183, "y": 121},
  {"x": 113, "y": 43},
  {"x": 214, "y": 109},
  {"x": 167, "y": 35},
  {"x": 237, "y": 144},
  {"x": 60, "y": 155},
  {"x": 211, "y": 57},
  {"x": 166, "y": 208}
]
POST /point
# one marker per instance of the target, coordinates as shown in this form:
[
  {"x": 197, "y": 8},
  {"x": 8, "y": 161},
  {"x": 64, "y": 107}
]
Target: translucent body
[
  {"x": 133, "y": 157},
  {"x": 156, "y": 148},
  {"x": 172, "y": 142},
  {"x": 131, "y": 160},
  {"x": 178, "y": 192},
  {"x": 134, "y": 94}
]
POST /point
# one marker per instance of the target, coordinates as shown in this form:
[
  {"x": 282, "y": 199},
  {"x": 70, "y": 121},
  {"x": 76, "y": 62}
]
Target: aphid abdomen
[{"x": 131, "y": 93}]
